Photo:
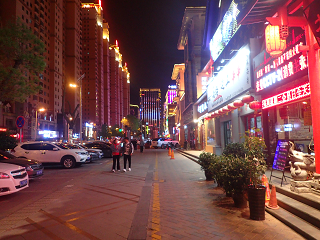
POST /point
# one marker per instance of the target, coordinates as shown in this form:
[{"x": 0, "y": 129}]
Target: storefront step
[
  {"x": 188, "y": 155},
  {"x": 302, "y": 227},
  {"x": 307, "y": 213}
]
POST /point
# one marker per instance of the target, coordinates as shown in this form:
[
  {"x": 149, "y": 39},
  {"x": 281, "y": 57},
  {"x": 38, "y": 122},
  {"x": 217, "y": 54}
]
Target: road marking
[
  {"x": 44, "y": 230},
  {"x": 109, "y": 194},
  {"x": 156, "y": 204},
  {"x": 69, "y": 225}
]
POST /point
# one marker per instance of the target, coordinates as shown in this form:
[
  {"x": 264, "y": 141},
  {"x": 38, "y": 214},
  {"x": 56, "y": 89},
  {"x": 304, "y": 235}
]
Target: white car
[
  {"x": 47, "y": 152},
  {"x": 164, "y": 142},
  {"x": 13, "y": 178}
]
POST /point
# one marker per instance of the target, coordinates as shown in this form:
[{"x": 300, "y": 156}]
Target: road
[{"x": 161, "y": 198}]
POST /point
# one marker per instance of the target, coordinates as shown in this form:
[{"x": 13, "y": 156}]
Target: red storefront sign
[{"x": 287, "y": 96}]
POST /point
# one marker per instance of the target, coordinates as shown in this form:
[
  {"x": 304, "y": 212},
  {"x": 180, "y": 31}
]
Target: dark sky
[{"x": 148, "y": 32}]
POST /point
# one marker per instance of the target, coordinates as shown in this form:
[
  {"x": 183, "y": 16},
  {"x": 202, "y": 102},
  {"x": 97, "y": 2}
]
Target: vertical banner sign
[
  {"x": 312, "y": 14},
  {"x": 281, "y": 155}
]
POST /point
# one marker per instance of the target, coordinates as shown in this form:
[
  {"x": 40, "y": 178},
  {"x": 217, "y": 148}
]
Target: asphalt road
[{"x": 55, "y": 177}]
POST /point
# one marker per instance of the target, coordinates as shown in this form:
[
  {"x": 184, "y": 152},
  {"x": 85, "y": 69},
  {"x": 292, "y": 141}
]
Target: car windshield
[
  {"x": 73, "y": 146},
  {"x": 155, "y": 139},
  {"x": 5, "y": 155}
]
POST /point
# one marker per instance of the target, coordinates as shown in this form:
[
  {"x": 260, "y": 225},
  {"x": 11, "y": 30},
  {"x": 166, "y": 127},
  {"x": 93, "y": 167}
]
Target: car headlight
[
  {"x": 4, "y": 175},
  {"x": 29, "y": 168}
]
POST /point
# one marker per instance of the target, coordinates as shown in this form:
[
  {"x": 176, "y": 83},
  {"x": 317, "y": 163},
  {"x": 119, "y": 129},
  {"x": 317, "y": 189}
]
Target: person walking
[
  {"x": 141, "y": 144},
  {"x": 127, "y": 150},
  {"x": 116, "y": 153}
]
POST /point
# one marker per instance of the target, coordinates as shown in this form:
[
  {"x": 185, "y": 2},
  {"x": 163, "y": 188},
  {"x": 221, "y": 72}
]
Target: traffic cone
[
  {"x": 265, "y": 183},
  {"x": 172, "y": 155},
  {"x": 273, "y": 203},
  {"x": 169, "y": 152}
]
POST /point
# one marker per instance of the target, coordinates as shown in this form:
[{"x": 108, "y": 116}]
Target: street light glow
[
  {"x": 41, "y": 110},
  {"x": 73, "y": 85}
]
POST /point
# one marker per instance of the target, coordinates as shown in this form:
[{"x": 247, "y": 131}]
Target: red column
[{"x": 314, "y": 79}]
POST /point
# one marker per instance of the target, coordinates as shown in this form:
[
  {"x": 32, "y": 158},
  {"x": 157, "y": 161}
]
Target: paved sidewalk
[{"x": 161, "y": 198}]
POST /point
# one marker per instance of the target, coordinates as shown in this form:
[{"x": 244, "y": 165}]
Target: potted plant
[
  {"x": 235, "y": 180},
  {"x": 257, "y": 166},
  {"x": 205, "y": 160}
]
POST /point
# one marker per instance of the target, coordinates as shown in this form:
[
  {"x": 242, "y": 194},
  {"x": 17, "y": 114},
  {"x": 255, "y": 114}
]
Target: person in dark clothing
[
  {"x": 141, "y": 144},
  {"x": 116, "y": 153},
  {"x": 127, "y": 150}
]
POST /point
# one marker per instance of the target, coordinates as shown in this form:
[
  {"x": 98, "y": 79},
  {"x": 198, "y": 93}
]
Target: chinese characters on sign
[
  {"x": 288, "y": 64},
  {"x": 287, "y": 96}
]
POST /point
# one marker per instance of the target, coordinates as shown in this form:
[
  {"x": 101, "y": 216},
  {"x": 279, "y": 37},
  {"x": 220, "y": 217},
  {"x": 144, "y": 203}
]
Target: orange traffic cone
[
  {"x": 172, "y": 155},
  {"x": 273, "y": 203},
  {"x": 169, "y": 152},
  {"x": 265, "y": 183}
]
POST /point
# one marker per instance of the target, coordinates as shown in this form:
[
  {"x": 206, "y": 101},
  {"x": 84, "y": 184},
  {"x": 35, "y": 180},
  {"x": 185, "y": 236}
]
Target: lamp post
[
  {"x": 79, "y": 80},
  {"x": 36, "y": 127}
]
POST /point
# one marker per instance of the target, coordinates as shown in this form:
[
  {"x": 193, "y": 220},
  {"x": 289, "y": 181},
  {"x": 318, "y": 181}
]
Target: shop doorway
[
  {"x": 254, "y": 121},
  {"x": 227, "y": 132}
]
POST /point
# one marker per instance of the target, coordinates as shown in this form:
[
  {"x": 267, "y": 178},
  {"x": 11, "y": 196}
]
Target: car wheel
[
  {"x": 177, "y": 145},
  {"x": 163, "y": 146},
  {"x": 68, "y": 162}
]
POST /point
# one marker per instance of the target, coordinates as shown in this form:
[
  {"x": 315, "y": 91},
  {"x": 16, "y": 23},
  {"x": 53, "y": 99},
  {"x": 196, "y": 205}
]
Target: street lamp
[
  {"x": 79, "y": 80},
  {"x": 36, "y": 127}
]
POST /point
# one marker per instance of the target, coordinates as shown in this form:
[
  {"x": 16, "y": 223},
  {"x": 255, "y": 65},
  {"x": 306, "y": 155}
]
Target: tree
[
  {"x": 6, "y": 141},
  {"x": 132, "y": 122},
  {"x": 21, "y": 61}
]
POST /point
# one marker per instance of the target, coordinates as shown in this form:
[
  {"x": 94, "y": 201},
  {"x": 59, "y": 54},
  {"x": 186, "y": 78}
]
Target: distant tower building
[
  {"x": 150, "y": 110},
  {"x": 169, "y": 112}
]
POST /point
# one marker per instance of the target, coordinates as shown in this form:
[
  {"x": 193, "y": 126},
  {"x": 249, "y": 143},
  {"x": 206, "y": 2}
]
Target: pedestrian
[
  {"x": 116, "y": 153},
  {"x": 141, "y": 144},
  {"x": 127, "y": 150}
]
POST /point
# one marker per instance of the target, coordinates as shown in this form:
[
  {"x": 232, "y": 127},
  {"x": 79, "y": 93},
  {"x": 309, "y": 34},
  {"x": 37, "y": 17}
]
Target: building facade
[{"x": 150, "y": 110}]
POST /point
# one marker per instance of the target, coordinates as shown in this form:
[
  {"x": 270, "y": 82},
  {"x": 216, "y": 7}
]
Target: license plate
[
  {"x": 23, "y": 183},
  {"x": 39, "y": 172}
]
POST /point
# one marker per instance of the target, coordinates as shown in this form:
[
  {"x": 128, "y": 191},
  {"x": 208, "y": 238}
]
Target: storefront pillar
[{"x": 314, "y": 79}]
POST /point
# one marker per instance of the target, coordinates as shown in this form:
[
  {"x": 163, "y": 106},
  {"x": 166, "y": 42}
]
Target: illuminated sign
[
  {"x": 225, "y": 31},
  {"x": 89, "y": 125},
  {"x": 88, "y": 5},
  {"x": 3, "y": 129},
  {"x": 48, "y": 134},
  {"x": 287, "y": 96},
  {"x": 233, "y": 80},
  {"x": 202, "y": 107},
  {"x": 171, "y": 95},
  {"x": 172, "y": 86},
  {"x": 271, "y": 71}
]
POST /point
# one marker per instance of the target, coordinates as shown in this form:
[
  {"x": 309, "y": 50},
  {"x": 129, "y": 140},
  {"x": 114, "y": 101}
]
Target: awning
[{"x": 257, "y": 10}]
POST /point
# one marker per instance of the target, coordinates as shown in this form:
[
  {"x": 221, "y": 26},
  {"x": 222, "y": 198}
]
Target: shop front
[
  {"x": 284, "y": 88},
  {"x": 228, "y": 102},
  {"x": 201, "y": 110}
]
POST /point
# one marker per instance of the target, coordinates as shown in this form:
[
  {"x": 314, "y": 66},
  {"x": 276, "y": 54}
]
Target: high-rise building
[
  {"x": 169, "y": 111},
  {"x": 150, "y": 109},
  {"x": 119, "y": 87},
  {"x": 77, "y": 51},
  {"x": 92, "y": 66}
]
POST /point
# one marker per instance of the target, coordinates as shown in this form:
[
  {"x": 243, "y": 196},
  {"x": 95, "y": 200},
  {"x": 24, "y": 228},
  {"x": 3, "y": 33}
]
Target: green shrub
[
  {"x": 7, "y": 142},
  {"x": 205, "y": 160},
  {"x": 235, "y": 149}
]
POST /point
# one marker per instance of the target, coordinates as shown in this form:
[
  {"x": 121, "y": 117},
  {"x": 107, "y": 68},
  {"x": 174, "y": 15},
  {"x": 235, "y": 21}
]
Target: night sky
[{"x": 148, "y": 32}]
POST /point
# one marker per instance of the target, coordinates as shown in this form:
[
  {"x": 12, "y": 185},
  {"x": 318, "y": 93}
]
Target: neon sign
[
  {"x": 227, "y": 28},
  {"x": 287, "y": 96},
  {"x": 289, "y": 63},
  {"x": 202, "y": 107}
]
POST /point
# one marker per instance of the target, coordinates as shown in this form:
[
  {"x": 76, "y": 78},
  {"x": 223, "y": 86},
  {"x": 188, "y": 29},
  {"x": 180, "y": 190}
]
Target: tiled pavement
[{"x": 160, "y": 199}]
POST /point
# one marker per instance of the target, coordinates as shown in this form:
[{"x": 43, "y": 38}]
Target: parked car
[
  {"x": 47, "y": 152},
  {"x": 13, "y": 178},
  {"x": 93, "y": 153},
  {"x": 34, "y": 168},
  {"x": 107, "y": 152},
  {"x": 164, "y": 143}
]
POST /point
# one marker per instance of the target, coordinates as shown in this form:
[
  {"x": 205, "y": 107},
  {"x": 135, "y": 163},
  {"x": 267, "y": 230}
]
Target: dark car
[
  {"x": 34, "y": 168},
  {"x": 107, "y": 152}
]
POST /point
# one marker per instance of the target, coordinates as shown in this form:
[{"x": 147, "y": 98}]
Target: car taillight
[{"x": 3, "y": 175}]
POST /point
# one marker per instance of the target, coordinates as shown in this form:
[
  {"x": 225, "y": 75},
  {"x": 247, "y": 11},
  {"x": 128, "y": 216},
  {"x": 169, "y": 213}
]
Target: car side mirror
[{"x": 55, "y": 149}]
